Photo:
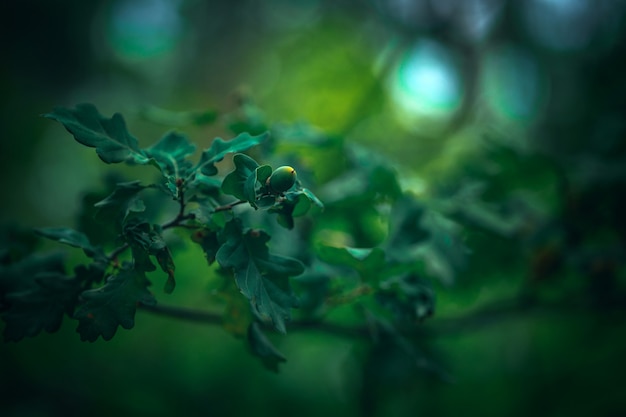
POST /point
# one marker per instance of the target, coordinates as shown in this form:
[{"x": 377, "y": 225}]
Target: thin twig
[
  {"x": 176, "y": 222},
  {"x": 228, "y": 206},
  {"x": 117, "y": 251}
]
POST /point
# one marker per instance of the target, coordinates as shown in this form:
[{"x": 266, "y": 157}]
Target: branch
[
  {"x": 484, "y": 317},
  {"x": 181, "y": 216},
  {"x": 182, "y": 313}
]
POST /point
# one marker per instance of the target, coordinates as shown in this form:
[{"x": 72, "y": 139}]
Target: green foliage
[
  {"x": 220, "y": 148},
  {"x": 385, "y": 275},
  {"x": 261, "y": 276},
  {"x": 72, "y": 238},
  {"x": 110, "y": 137},
  {"x": 114, "y": 304}
]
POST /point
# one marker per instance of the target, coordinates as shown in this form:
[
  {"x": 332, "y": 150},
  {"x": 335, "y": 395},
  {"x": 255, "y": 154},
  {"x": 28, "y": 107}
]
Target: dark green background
[{"x": 544, "y": 78}]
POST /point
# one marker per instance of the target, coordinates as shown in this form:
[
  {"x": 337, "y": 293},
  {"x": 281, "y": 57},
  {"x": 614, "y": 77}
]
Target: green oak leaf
[
  {"x": 208, "y": 241},
  {"x": 295, "y": 203},
  {"x": 73, "y": 238},
  {"x": 201, "y": 186},
  {"x": 20, "y": 275},
  {"x": 255, "y": 183},
  {"x": 124, "y": 200},
  {"x": 170, "y": 153},
  {"x": 220, "y": 148},
  {"x": 145, "y": 240},
  {"x": 261, "y": 276},
  {"x": 247, "y": 180},
  {"x": 110, "y": 137},
  {"x": 263, "y": 348},
  {"x": 40, "y": 307},
  {"x": 114, "y": 304}
]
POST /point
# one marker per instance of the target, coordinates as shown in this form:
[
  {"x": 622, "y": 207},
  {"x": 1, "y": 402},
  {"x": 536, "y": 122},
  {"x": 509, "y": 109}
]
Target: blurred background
[{"x": 510, "y": 114}]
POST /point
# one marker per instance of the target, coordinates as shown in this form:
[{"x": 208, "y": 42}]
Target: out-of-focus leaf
[
  {"x": 421, "y": 235},
  {"x": 19, "y": 276},
  {"x": 408, "y": 297},
  {"x": 103, "y": 309},
  {"x": 247, "y": 118},
  {"x": 313, "y": 287},
  {"x": 40, "y": 307},
  {"x": 261, "y": 276},
  {"x": 263, "y": 348},
  {"x": 178, "y": 119},
  {"x": 73, "y": 238},
  {"x": 110, "y": 137},
  {"x": 369, "y": 181},
  {"x": 368, "y": 262},
  {"x": 405, "y": 227}
]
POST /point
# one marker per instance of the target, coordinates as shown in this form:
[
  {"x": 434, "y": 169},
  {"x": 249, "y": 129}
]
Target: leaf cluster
[{"x": 388, "y": 279}]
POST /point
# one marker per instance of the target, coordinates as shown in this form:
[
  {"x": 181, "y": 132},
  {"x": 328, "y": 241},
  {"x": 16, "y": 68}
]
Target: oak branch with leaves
[{"x": 387, "y": 282}]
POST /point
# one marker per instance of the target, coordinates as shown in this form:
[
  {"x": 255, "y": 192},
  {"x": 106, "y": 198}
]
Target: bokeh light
[
  {"x": 514, "y": 85},
  {"x": 561, "y": 24},
  {"x": 426, "y": 83},
  {"x": 144, "y": 29}
]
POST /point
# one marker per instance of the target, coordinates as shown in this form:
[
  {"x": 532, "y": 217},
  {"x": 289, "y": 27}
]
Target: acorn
[{"x": 282, "y": 179}]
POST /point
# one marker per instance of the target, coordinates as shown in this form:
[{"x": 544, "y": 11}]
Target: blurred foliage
[{"x": 508, "y": 196}]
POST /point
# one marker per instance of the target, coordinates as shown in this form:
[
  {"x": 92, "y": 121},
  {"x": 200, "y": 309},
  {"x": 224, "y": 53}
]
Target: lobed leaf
[
  {"x": 220, "y": 148},
  {"x": 40, "y": 307},
  {"x": 71, "y": 237},
  {"x": 110, "y": 137},
  {"x": 170, "y": 154},
  {"x": 104, "y": 309},
  {"x": 145, "y": 240},
  {"x": 262, "y": 277},
  {"x": 247, "y": 180},
  {"x": 118, "y": 205}
]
